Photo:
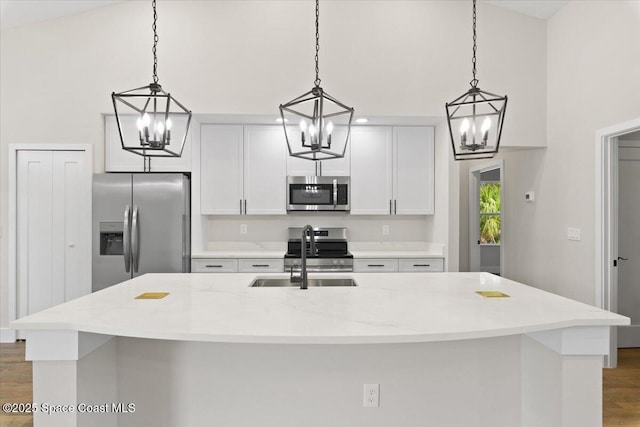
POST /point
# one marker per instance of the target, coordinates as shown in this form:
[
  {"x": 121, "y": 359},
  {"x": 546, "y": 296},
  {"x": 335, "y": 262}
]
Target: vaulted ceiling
[{"x": 15, "y": 13}]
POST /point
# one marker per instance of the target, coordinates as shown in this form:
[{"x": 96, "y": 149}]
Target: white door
[
  {"x": 371, "y": 170},
  {"x": 413, "y": 176},
  {"x": 221, "y": 170},
  {"x": 265, "y": 170},
  {"x": 53, "y": 236},
  {"x": 629, "y": 242}
]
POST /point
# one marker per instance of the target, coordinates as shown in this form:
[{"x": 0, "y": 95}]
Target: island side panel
[
  {"x": 74, "y": 378},
  {"x": 453, "y": 383},
  {"x": 560, "y": 390}
]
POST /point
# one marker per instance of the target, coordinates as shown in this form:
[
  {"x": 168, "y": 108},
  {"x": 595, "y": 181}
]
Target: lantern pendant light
[
  {"x": 311, "y": 120},
  {"x": 161, "y": 122},
  {"x": 476, "y": 110}
]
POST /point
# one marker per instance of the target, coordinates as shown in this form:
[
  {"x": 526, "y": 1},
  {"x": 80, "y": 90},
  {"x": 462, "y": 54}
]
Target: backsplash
[{"x": 361, "y": 228}]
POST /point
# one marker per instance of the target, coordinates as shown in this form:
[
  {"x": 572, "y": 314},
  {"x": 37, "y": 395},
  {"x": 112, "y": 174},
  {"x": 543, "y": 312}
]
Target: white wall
[
  {"x": 593, "y": 67},
  {"x": 403, "y": 58}
]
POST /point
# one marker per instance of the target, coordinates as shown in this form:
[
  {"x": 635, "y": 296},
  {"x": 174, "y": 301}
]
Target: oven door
[{"x": 317, "y": 193}]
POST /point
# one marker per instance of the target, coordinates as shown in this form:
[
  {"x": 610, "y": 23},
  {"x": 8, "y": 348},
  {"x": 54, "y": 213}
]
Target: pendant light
[
  {"x": 313, "y": 119},
  {"x": 162, "y": 123},
  {"x": 476, "y": 110}
]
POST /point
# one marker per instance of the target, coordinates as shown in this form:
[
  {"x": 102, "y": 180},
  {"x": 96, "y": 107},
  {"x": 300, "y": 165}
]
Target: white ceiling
[{"x": 15, "y": 13}]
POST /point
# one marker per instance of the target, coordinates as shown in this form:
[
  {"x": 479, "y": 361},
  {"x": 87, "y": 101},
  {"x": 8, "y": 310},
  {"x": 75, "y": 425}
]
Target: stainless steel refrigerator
[{"x": 141, "y": 224}]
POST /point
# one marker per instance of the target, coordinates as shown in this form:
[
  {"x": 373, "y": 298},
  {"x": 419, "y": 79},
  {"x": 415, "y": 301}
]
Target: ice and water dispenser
[{"x": 111, "y": 234}]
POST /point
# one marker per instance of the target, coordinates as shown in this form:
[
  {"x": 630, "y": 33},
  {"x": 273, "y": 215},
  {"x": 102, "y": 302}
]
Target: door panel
[
  {"x": 161, "y": 224},
  {"x": 629, "y": 247},
  {"x": 221, "y": 168},
  {"x": 111, "y": 195},
  {"x": 371, "y": 170},
  {"x": 265, "y": 178},
  {"x": 414, "y": 174},
  {"x": 34, "y": 233},
  {"x": 71, "y": 220}
]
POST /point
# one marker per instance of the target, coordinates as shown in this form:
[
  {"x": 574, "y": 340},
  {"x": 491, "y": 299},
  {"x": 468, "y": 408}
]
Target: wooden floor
[{"x": 621, "y": 394}]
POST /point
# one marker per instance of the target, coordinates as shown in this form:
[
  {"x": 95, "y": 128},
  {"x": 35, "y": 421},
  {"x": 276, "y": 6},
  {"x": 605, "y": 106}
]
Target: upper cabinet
[
  {"x": 243, "y": 170},
  {"x": 333, "y": 167},
  {"x": 119, "y": 160},
  {"x": 392, "y": 170},
  {"x": 413, "y": 170},
  {"x": 371, "y": 170}
]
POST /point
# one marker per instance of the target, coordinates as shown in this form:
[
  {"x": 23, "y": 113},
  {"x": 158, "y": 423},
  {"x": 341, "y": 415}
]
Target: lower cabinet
[
  {"x": 218, "y": 265},
  {"x": 261, "y": 265},
  {"x": 375, "y": 265},
  {"x": 214, "y": 265},
  {"x": 402, "y": 265},
  {"x": 421, "y": 264}
]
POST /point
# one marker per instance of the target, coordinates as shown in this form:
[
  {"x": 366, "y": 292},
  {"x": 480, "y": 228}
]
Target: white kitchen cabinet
[
  {"x": 333, "y": 167},
  {"x": 271, "y": 265},
  {"x": 119, "y": 160},
  {"x": 221, "y": 170},
  {"x": 243, "y": 170},
  {"x": 392, "y": 170},
  {"x": 413, "y": 170},
  {"x": 214, "y": 265},
  {"x": 375, "y": 265},
  {"x": 371, "y": 170},
  {"x": 421, "y": 265},
  {"x": 265, "y": 177}
]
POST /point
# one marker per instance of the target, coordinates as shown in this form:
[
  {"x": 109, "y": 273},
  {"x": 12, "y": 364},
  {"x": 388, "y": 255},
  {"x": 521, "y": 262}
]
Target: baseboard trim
[{"x": 7, "y": 335}]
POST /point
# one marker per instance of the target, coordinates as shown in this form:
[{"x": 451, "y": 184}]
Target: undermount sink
[{"x": 285, "y": 282}]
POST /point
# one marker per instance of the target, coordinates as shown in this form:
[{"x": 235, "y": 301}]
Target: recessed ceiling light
[
  {"x": 362, "y": 120},
  {"x": 279, "y": 120}
]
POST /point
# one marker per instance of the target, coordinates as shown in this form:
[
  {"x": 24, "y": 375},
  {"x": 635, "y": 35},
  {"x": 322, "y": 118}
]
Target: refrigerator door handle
[
  {"x": 126, "y": 238},
  {"x": 135, "y": 239}
]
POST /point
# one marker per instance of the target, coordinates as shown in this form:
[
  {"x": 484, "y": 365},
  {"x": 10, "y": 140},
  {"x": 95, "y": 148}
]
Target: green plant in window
[{"x": 490, "y": 203}]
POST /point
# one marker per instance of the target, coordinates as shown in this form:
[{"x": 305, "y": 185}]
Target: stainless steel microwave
[{"x": 318, "y": 193}]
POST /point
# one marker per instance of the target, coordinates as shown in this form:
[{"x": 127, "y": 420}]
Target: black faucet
[{"x": 307, "y": 229}]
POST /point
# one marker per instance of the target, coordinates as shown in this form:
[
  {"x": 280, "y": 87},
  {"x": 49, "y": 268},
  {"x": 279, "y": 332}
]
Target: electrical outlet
[
  {"x": 573, "y": 233},
  {"x": 385, "y": 230},
  {"x": 243, "y": 228},
  {"x": 371, "y": 396}
]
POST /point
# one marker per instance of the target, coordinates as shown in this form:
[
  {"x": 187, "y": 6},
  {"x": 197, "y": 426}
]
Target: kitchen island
[{"x": 216, "y": 352}]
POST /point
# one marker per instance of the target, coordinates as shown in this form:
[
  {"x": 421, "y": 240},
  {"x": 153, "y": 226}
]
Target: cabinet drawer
[
  {"x": 375, "y": 265},
  {"x": 261, "y": 265},
  {"x": 421, "y": 264},
  {"x": 214, "y": 265}
]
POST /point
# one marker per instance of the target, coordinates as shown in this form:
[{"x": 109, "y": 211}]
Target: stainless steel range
[{"x": 331, "y": 254}]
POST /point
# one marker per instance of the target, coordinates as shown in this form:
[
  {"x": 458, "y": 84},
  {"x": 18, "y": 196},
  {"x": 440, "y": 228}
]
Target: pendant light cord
[
  {"x": 317, "y": 81},
  {"x": 155, "y": 43},
  {"x": 474, "y": 82}
]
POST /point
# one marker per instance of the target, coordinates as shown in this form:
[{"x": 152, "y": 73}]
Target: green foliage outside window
[{"x": 490, "y": 204}]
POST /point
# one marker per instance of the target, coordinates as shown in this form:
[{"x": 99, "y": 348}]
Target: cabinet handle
[
  {"x": 375, "y": 265},
  {"x": 260, "y": 265},
  {"x": 390, "y": 211},
  {"x": 395, "y": 207},
  {"x": 422, "y": 265},
  {"x": 213, "y": 266},
  {"x": 245, "y": 206}
]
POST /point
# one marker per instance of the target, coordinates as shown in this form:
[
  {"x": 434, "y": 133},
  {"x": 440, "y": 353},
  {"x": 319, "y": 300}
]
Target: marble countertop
[{"x": 383, "y": 308}]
